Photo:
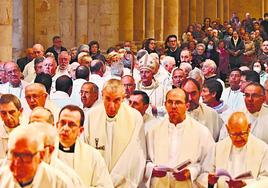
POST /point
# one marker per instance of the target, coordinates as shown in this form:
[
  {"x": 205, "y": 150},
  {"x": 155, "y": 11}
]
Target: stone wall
[{"x": 108, "y": 21}]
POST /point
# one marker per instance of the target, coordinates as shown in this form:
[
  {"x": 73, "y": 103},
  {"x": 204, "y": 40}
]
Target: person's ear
[
  {"x": 81, "y": 130},
  {"x": 42, "y": 154}
]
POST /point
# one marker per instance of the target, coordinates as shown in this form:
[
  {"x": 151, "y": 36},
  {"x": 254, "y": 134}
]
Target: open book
[
  {"x": 175, "y": 169},
  {"x": 245, "y": 175}
]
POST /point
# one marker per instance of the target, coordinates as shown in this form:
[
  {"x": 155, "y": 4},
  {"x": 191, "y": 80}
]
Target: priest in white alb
[
  {"x": 116, "y": 130},
  {"x": 240, "y": 152},
  {"x": 86, "y": 161},
  {"x": 176, "y": 139}
]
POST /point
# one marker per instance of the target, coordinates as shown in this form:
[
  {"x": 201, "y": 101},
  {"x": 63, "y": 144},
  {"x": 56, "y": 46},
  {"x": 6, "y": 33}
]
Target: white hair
[
  {"x": 117, "y": 69},
  {"x": 196, "y": 73},
  {"x": 210, "y": 63},
  {"x": 168, "y": 60},
  {"x": 186, "y": 67},
  {"x": 47, "y": 130},
  {"x": 32, "y": 135}
]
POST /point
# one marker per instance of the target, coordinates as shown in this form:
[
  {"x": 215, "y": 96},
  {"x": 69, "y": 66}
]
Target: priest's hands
[
  {"x": 182, "y": 175},
  {"x": 236, "y": 183},
  {"x": 158, "y": 173},
  {"x": 212, "y": 179}
]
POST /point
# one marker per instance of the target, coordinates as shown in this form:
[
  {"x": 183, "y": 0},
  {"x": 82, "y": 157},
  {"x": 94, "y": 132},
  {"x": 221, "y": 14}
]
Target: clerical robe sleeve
[{"x": 208, "y": 166}]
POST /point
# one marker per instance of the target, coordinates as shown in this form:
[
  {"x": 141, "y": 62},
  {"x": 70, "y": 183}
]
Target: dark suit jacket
[
  {"x": 231, "y": 48},
  {"x": 22, "y": 62},
  {"x": 52, "y": 50}
]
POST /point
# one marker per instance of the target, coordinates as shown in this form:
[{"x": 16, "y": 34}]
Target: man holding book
[
  {"x": 173, "y": 142},
  {"x": 239, "y": 153}
]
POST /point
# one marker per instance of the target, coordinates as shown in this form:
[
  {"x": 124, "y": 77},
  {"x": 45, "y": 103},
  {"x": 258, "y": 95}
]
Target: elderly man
[
  {"x": 22, "y": 62},
  {"x": 199, "y": 111},
  {"x": 14, "y": 85},
  {"x": 256, "y": 113},
  {"x": 199, "y": 57},
  {"x": 151, "y": 86},
  {"x": 209, "y": 70},
  {"x": 89, "y": 95},
  {"x": 41, "y": 114},
  {"x": 25, "y": 167},
  {"x": 263, "y": 56},
  {"x": 36, "y": 95},
  {"x": 63, "y": 61},
  {"x": 240, "y": 152},
  {"x": 129, "y": 84},
  {"x": 11, "y": 114},
  {"x": 186, "y": 56},
  {"x": 49, "y": 134},
  {"x": 120, "y": 143},
  {"x": 29, "y": 72},
  {"x": 232, "y": 96},
  {"x": 176, "y": 139},
  {"x": 84, "y": 159},
  {"x": 140, "y": 101}
]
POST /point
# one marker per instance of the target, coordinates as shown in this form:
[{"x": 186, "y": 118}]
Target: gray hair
[{"x": 196, "y": 73}]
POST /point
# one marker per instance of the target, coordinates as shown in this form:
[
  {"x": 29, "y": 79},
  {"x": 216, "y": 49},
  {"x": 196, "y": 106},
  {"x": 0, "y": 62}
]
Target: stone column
[
  {"x": 159, "y": 21},
  {"x": 6, "y": 16},
  {"x": 139, "y": 20},
  {"x": 149, "y": 17},
  {"x": 211, "y": 9},
  {"x": 200, "y": 11},
  {"x": 184, "y": 15},
  {"x": 81, "y": 33},
  {"x": 67, "y": 23},
  {"x": 171, "y": 17},
  {"x": 109, "y": 23},
  {"x": 19, "y": 30},
  {"x": 192, "y": 6},
  {"x": 220, "y": 12},
  {"x": 126, "y": 20},
  {"x": 226, "y": 10}
]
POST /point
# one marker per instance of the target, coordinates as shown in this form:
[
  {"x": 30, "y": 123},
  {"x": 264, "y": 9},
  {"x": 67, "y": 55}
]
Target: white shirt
[
  {"x": 175, "y": 142},
  {"x": 234, "y": 99},
  {"x": 110, "y": 123},
  {"x": 237, "y": 161},
  {"x": 67, "y": 158}
]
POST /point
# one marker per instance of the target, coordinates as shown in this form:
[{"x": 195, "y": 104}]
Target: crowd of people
[{"x": 191, "y": 113}]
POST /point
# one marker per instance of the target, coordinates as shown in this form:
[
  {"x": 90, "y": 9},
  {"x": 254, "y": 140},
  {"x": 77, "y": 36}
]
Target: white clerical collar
[
  {"x": 109, "y": 119},
  {"x": 173, "y": 126}
]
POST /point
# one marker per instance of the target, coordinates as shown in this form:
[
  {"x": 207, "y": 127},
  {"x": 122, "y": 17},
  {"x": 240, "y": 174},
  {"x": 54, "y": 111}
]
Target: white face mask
[
  {"x": 210, "y": 47},
  {"x": 257, "y": 69}
]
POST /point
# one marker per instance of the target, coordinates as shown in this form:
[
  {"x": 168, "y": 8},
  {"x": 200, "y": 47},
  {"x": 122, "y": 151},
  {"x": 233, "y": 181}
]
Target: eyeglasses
[
  {"x": 29, "y": 97},
  {"x": 172, "y": 41},
  {"x": 128, "y": 85},
  {"x": 241, "y": 134},
  {"x": 15, "y": 71},
  {"x": 24, "y": 157}
]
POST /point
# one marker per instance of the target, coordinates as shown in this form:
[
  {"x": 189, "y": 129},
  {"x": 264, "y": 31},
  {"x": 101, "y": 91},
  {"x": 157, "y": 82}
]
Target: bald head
[
  {"x": 238, "y": 128},
  {"x": 38, "y": 50}
]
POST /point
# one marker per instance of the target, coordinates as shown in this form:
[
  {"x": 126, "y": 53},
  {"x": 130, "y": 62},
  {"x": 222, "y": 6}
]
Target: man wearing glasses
[
  {"x": 14, "y": 83},
  {"x": 240, "y": 152},
  {"x": 84, "y": 159},
  {"x": 24, "y": 166},
  {"x": 173, "y": 46},
  {"x": 36, "y": 95},
  {"x": 174, "y": 140}
]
